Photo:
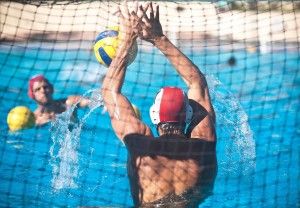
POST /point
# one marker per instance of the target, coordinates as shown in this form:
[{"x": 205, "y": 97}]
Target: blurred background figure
[{"x": 41, "y": 91}]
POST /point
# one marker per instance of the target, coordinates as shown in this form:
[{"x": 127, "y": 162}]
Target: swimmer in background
[
  {"x": 177, "y": 168},
  {"x": 41, "y": 91}
]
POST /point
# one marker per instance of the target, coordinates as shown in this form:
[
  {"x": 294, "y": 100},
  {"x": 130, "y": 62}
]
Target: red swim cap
[
  {"x": 171, "y": 105},
  {"x": 34, "y": 79}
]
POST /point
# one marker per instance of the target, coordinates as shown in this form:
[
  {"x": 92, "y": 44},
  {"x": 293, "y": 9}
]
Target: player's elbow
[
  {"x": 105, "y": 93},
  {"x": 110, "y": 96},
  {"x": 197, "y": 80}
]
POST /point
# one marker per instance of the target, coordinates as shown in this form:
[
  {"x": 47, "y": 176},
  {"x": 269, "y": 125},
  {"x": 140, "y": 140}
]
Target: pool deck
[{"x": 180, "y": 20}]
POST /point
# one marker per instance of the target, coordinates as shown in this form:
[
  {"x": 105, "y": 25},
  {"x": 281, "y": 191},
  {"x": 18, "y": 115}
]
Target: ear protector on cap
[{"x": 171, "y": 105}]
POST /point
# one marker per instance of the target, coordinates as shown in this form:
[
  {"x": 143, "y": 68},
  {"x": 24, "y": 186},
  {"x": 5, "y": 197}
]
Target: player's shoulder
[
  {"x": 61, "y": 101},
  {"x": 171, "y": 146}
]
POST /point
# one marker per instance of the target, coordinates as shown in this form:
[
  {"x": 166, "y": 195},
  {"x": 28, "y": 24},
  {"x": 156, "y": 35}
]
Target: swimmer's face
[{"x": 42, "y": 92}]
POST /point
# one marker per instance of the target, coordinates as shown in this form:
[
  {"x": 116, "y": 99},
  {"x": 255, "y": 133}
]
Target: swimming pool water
[{"x": 256, "y": 102}]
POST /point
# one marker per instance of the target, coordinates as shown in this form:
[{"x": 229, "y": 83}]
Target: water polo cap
[
  {"x": 34, "y": 79},
  {"x": 171, "y": 105}
]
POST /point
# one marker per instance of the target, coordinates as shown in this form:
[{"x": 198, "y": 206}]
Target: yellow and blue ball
[
  {"x": 106, "y": 45},
  {"x": 19, "y": 118}
]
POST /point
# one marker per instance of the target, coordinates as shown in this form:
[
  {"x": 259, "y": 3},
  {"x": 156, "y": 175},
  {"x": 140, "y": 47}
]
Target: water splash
[
  {"x": 236, "y": 146},
  {"x": 65, "y": 134}
]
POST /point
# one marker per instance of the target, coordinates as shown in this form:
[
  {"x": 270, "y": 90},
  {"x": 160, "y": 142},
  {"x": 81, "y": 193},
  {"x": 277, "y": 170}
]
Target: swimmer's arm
[
  {"x": 73, "y": 99},
  {"x": 151, "y": 31},
  {"x": 198, "y": 88},
  {"x": 189, "y": 72},
  {"x": 123, "y": 118}
]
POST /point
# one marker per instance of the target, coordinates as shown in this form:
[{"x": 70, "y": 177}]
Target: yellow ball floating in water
[
  {"x": 106, "y": 45},
  {"x": 20, "y": 117}
]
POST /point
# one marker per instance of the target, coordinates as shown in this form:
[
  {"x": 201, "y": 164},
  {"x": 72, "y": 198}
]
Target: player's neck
[{"x": 47, "y": 107}]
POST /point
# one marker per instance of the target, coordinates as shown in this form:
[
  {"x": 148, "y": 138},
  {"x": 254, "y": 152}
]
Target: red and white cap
[
  {"x": 171, "y": 105},
  {"x": 36, "y": 78}
]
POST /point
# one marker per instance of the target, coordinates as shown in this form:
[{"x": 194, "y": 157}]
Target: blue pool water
[{"x": 65, "y": 165}]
